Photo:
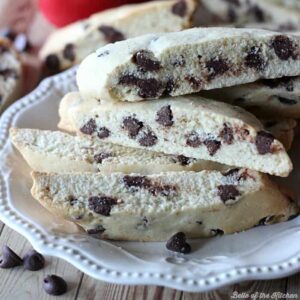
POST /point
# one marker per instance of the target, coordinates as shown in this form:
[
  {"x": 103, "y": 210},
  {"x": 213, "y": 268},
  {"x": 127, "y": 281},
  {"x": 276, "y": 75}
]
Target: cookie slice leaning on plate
[
  {"x": 154, "y": 207},
  {"x": 70, "y": 45},
  {"x": 188, "y": 125},
  {"x": 185, "y": 62}
]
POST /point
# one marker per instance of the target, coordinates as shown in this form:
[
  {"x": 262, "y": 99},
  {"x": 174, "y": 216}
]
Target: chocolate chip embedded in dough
[
  {"x": 111, "y": 34},
  {"x": 101, "y": 204},
  {"x": 98, "y": 158},
  {"x": 212, "y": 146},
  {"x": 216, "y": 232},
  {"x": 165, "y": 116},
  {"x": 144, "y": 59},
  {"x": 264, "y": 142},
  {"x": 179, "y": 8},
  {"x": 227, "y": 134},
  {"x": 103, "y": 133},
  {"x": 195, "y": 82},
  {"x": 52, "y": 63},
  {"x": 132, "y": 125},
  {"x": 149, "y": 88},
  {"x": 284, "y": 47},
  {"x": 97, "y": 230},
  {"x": 136, "y": 182},
  {"x": 69, "y": 52},
  {"x": 177, "y": 243},
  {"x": 254, "y": 59},
  {"x": 89, "y": 127},
  {"x": 193, "y": 140},
  {"x": 216, "y": 66},
  {"x": 148, "y": 139},
  {"x": 228, "y": 192}
]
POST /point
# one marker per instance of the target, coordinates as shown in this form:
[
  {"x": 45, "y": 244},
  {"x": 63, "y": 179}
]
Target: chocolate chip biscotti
[
  {"x": 265, "y": 98},
  {"x": 70, "y": 45},
  {"x": 152, "y": 208},
  {"x": 186, "y": 62},
  {"x": 10, "y": 74},
  {"x": 188, "y": 125}
]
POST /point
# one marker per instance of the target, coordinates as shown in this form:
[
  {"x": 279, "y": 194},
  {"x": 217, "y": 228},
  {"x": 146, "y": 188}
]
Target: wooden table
[{"x": 18, "y": 284}]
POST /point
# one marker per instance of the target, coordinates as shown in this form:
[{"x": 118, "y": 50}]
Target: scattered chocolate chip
[
  {"x": 21, "y": 43},
  {"x": 111, "y": 35},
  {"x": 9, "y": 259},
  {"x": 254, "y": 59},
  {"x": 264, "y": 142},
  {"x": 104, "y": 53},
  {"x": 148, "y": 139},
  {"x": 179, "y": 8},
  {"x": 52, "y": 63},
  {"x": 177, "y": 243},
  {"x": 227, "y": 134},
  {"x": 69, "y": 52},
  {"x": 133, "y": 126},
  {"x": 193, "y": 140},
  {"x": 97, "y": 230},
  {"x": 103, "y": 133},
  {"x": 164, "y": 116},
  {"x": 144, "y": 59},
  {"x": 212, "y": 146},
  {"x": 8, "y": 73},
  {"x": 287, "y": 101},
  {"x": 33, "y": 261},
  {"x": 89, "y": 127},
  {"x": 183, "y": 160},
  {"x": 216, "y": 66},
  {"x": 195, "y": 82},
  {"x": 258, "y": 13},
  {"x": 102, "y": 204},
  {"x": 179, "y": 62},
  {"x": 228, "y": 192},
  {"x": 283, "y": 47},
  {"x": 55, "y": 285},
  {"x": 98, "y": 158},
  {"x": 216, "y": 232}
]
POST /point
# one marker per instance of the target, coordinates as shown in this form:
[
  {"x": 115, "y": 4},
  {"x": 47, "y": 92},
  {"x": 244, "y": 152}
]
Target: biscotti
[
  {"x": 265, "y": 98},
  {"x": 70, "y": 45},
  {"x": 10, "y": 74},
  {"x": 185, "y": 62},
  {"x": 188, "y": 125},
  {"x": 152, "y": 208}
]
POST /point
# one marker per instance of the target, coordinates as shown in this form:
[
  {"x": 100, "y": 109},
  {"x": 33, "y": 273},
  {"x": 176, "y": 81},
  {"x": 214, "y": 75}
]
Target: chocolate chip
[
  {"x": 216, "y": 66},
  {"x": 177, "y": 243},
  {"x": 254, "y": 59},
  {"x": 69, "y": 52},
  {"x": 133, "y": 126},
  {"x": 184, "y": 161},
  {"x": 89, "y": 127},
  {"x": 103, "y": 133},
  {"x": 286, "y": 82},
  {"x": 97, "y": 230},
  {"x": 52, "y": 63},
  {"x": 137, "y": 182},
  {"x": 179, "y": 8},
  {"x": 283, "y": 47},
  {"x": 212, "y": 146},
  {"x": 101, "y": 204},
  {"x": 227, "y": 134},
  {"x": 8, "y": 73},
  {"x": 33, "y": 261},
  {"x": 287, "y": 101},
  {"x": 9, "y": 259},
  {"x": 169, "y": 87},
  {"x": 193, "y": 140},
  {"x": 164, "y": 116},
  {"x": 144, "y": 59},
  {"x": 21, "y": 43},
  {"x": 148, "y": 139},
  {"x": 264, "y": 142},
  {"x": 257, "y": 12},
  {"x": 195, "y": 82},
  {"x": 55, "y": 285},
  {"x": 163, "y": 190},
  {"x": 98, "y": 158},
  {"x": 231, "y": 172},
  {"x": 216, "y": 232},
  {"x": 111, "y": 35},
  {"x": 228, "y": 192}
]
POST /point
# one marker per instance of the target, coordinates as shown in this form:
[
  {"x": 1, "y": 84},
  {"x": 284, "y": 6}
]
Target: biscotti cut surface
[
  {"x": 154, "y": 207},
  {"x": 190, "y": 126},
  {"x": 186, "y": 62},
  {"x": 70, "y": 45}
]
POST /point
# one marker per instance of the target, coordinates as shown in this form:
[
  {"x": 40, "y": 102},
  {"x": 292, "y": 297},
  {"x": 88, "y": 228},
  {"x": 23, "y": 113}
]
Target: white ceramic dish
[{"x": 260, "y": 253}]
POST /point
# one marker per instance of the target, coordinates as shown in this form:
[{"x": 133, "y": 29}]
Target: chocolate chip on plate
[
  {"x": 177, "y": 243},
  {"x": 55, "y": 285},
  {"x": 9, "y": 259},
  {"x": 33, "y": 261}
]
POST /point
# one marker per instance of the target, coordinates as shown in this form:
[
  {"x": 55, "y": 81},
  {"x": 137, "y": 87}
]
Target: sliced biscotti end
[
  {"x": 188, "y": 125},
  {"x": 186, "y": 62},
  {"x": 154, "y": 207}
]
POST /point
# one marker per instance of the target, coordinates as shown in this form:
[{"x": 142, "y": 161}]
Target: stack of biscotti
[{"x": 149, "y": 159}]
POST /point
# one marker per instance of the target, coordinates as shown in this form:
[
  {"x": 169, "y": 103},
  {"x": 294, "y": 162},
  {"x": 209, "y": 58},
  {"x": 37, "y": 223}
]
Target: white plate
[{"x": 260, "y": 253}]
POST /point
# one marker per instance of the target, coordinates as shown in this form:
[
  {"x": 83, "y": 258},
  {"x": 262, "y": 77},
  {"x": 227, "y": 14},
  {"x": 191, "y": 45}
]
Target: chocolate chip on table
[
  {"x": 264, "y": 142},
  {"x": 111, "y": 34},
  {"x": 9, "y": 258},
  {"x": 102, "y": 204},
  {"x": 193, "y": 140},
  {"x": 103, "y": 133},
  {"x": 89, "y": 127},
  {"x": 212, "y": 146},
  {"x": 283, "y": 47},
  {"x": 254, "y": 59},
  {"x": 133, "y": 126},
  {"x": 177, "y": 243},
  {"x": 228, "y": 192},
  {"x": 148, "y": 139},
  {"x": 179, "y": 8},
  {"x": 216, "y": 66},
  {"x": 287, "y": 101},
  {"x": 55, "y": 285},
  {"x": 144, "y": 60},
  {"x": 69, "y": 52},
  {"x": 98, "y": 158},
  {"x": 164, "y": 116},
  {"x": 216, "y": 232},
  {"x": 227, "y": 134},
  {"x": 33, "y": 261}
]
